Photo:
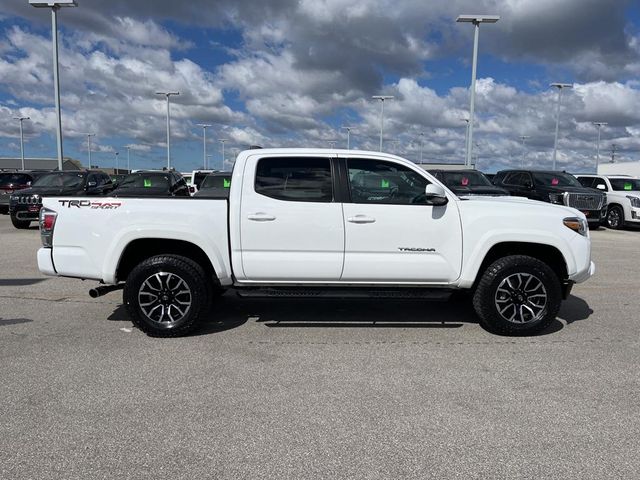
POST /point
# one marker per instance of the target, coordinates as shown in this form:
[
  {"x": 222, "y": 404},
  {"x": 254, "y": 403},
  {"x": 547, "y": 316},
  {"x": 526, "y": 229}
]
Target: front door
[
  {"x": 291, "y": 229},
  {"x": 392, "y": 234}
]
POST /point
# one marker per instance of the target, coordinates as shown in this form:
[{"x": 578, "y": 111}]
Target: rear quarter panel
[{"x": 89, "y": 238}]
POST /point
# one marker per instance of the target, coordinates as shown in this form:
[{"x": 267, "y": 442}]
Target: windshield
[
  {"x": 216, "y": 181},
  {"x": 145, "y": 180},
  {"x": 556, "y": 179},
  {"x": 13, "y": 179},
  {"x": 625, "y": 184},
  {"x": 61, "y": 180},
  {"x": 465, "y": 179}
]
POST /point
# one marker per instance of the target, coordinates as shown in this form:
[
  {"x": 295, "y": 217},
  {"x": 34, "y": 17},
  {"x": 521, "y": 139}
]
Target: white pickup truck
[{"x": 315, "y": 222}]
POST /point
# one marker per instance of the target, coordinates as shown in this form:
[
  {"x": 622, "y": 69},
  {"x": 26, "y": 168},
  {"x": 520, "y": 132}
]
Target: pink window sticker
[
  {"x": 465, "y": 181},
  {"x": 555, "y": 182}
]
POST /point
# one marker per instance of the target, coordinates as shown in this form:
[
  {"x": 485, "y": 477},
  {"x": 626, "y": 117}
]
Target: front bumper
[{"x": 595, "y": 217}]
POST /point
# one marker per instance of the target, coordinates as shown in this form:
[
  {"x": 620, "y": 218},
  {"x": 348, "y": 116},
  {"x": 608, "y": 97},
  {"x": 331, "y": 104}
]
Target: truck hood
[
  {"x": 478, "y": 190},
  {"x": 493, "y": 202}
]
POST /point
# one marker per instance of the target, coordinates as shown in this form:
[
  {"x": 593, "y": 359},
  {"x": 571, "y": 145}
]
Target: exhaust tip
[{"x": 94, "y": 293}]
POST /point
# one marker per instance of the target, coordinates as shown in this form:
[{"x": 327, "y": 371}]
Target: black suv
[
  {"x": 555, "y": 187},
  {"x": 152, "y": 183},
  {"x": 25, "y": 205},
  {"x": 467, "y": 182},
  {"x": 11, "y": 182}
]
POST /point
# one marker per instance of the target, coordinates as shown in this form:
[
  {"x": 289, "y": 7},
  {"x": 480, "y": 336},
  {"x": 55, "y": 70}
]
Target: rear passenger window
[{"x": 295, "y": 179}]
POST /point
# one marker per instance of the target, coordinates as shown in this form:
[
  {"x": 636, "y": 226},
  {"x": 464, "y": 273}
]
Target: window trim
[{"x": 332, "y": 173}]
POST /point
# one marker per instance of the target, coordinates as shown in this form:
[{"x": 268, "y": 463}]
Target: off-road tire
[
  {"x": 20, "y": 224},
  {"x": 193, "y": 276},
  {"x": 484, "y": 296}
]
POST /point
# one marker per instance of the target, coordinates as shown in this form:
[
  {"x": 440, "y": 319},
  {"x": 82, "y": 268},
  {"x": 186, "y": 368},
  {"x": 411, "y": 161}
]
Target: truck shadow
[{"x": 230, "y": 311}]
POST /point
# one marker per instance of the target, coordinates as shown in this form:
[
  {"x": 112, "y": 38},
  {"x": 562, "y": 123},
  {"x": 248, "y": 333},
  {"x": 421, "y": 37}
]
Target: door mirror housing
[
  {"x": 92, "y": 185},
  {"x": 601, "y": 187},
  {"x": 435, "y": 195}
]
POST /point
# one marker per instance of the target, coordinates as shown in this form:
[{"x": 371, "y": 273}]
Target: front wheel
[
  {"x": 517, "y": 295},
  {"x": 167, "y": 295},
  {"x": 20, "y": 224},
  {"x": 615, "y": 217}
]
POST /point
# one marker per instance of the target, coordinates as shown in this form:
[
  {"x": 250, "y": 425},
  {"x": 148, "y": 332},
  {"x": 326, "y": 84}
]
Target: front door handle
[
  {"x": 261, "y": 217},
  {"x": 361, "y": 219}
]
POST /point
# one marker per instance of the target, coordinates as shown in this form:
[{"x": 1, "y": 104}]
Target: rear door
[
  {"x": 392, "y": 234},
  {"x": 291, "y": 227}
]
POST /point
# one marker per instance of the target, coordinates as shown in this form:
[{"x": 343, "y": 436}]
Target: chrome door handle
[
  {"x": 361, "y": 219},
  {"x": 261, "y": 217}
]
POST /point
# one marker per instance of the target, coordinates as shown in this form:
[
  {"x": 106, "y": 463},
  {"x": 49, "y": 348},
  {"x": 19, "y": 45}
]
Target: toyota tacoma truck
[{"x": 320, "y": 223}]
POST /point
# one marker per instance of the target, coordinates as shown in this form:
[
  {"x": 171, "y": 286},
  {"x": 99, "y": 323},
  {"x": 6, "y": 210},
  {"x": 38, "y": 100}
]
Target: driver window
[{"x": 375, "y": 181}]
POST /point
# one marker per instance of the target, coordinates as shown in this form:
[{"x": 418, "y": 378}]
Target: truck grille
[
  {"x": 27, "y": 200},
  {"x": 584, "y": 201}
]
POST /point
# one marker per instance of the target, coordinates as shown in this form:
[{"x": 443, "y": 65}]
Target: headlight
[
  {"x": 635, "y": 201},
  {"x": 578, "y": 225},
  {"x": 557, "y": 198}
]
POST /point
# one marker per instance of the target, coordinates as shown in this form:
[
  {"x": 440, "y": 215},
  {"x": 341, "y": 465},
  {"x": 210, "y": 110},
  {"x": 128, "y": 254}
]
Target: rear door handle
[
  {"x": 361, "y": 219},
  {"x": 261, "y": 217}
]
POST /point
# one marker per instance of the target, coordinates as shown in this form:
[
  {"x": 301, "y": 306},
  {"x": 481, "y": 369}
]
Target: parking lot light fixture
[
  {"x": 222, "y": 141},
  {"x": 560, "y": 87},
  {"x": 523, "y": 138},
  {"x": 89, "y": 135},
  {"x": 55, "y": 6},
  {"x": 476, "y": 20},
  {"x": 382, "y": 99},
  {"x": 21, "y": 119},
  {"x": 168, "y": 95},
  {"x": 204, "y": 142},
  {"x": 599, "y": 125},
  {"x": 348, "y": 129}
]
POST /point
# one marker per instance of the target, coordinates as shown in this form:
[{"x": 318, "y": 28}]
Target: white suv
[{"x": 623, "y": 197}]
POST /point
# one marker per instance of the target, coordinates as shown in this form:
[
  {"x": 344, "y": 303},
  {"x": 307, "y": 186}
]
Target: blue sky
[{"x": 292, "y": 72}]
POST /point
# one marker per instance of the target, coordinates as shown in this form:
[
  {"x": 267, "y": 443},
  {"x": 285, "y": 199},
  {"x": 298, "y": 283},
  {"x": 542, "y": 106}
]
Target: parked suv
[
  {"x": 623, "y": 198},
  {"x": 215, "y": 185},
  {"x": 555, "y": 187},
  {"x": 13, "y": 181},
  {"x": 152, "y": 183},
  {"x": 468, "y": 182},
  {"x": 25, "y": 205}
]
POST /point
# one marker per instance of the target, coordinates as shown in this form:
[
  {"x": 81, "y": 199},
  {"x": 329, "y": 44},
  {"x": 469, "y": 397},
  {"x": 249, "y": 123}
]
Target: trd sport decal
[{"x": 90, "y": 204}]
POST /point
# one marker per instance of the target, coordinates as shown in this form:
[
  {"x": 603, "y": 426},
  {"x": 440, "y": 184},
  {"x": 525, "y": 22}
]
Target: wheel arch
[
  {"x": 548, "y": 254},
  {"x": 140, "y": 249}
]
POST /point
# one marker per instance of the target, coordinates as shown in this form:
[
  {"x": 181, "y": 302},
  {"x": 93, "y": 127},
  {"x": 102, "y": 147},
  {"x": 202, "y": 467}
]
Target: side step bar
[{"x": 433, "y": 294}]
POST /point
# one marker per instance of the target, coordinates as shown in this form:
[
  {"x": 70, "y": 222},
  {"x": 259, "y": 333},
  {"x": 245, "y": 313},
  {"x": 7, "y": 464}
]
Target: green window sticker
[
  {"x": 628, "y": 186},
  {"x": 384, "y": 183},
  {"x": 147, "y": 183},
  {"x": 226, "y": 183}
]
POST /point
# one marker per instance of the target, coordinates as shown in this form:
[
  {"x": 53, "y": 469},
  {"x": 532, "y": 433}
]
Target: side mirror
[
  {"x": 29, "y": 183},
  {"x": 92, "y": 184},
  {"x": 601, "y": 187},
  {"x": 435, "y": 195}
]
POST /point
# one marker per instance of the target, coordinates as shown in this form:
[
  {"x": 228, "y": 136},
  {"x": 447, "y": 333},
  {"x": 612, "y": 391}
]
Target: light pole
[
  {"x": 421, "y": 135},
  {"x": 207, "y": 163},
  {"x": 599, "y": 125},
  {"x": 222, "y": 141},
  {"x": 382, "y": 98},
  {"x": 560, "y": 87},
  {"x": 168, "y": 95},
  {"x": 523, "y": 138},
  {"x": 332, "y": 143},
  {"x": 348, "y": 129},
  {"x": 128, "y": 158},
  {"x": 466, "y": 138},
  {"x": 117, "y": 166},
  {"x": 476, "y": 20},
  {"x": 89, "y": 135},
  {"x": 204, "y": 143},
  {"x": 395, "y": 144},
  {"x": 55, "y": 6},
  {"x": 21, "y": 119}
]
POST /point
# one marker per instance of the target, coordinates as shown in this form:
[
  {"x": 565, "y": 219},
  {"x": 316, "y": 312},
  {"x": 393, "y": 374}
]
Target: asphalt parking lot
[{"x": 280, "y": 388}]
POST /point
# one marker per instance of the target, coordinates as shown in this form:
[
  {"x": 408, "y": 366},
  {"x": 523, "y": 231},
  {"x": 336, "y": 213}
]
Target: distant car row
[{"x": 21, "y": 193}]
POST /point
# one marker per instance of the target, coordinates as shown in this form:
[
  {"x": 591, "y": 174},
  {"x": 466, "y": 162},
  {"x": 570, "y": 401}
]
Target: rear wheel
[
  {"x": 615, "y": 217},
  {"x": 517, "y": 295},
  {"x": 167, "y": 295},
  {"x": 21, "y": 224}
]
